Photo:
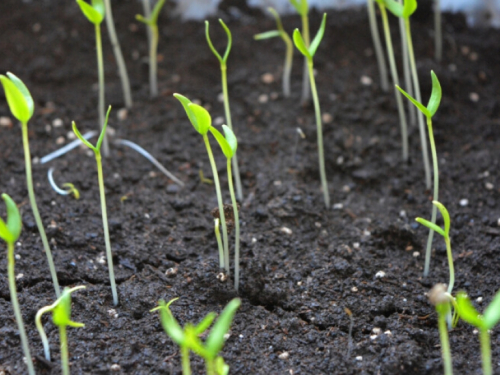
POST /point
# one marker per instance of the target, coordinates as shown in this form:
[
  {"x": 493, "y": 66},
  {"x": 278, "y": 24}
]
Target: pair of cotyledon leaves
[
  {"x": 20, "y": 102},
  {"x": 468, "y": 313},
  {"x": 310, "y": 51},
  {"x": 400, "y": 10},
  {"x": 153, "y": 19},
  {"x": 97, "y": 147},
  {"x": 61, "y": 312},
  {"x": 273, "y": 33},
  {"x": 10, "y": 230},
  {"x": 434, "y": 100},
  {"x": 202, "y": 122},
  {"x": 222, "y": 59},
  {"x": 446, "y": 218},
  {"x": 301, "y": 6},
  {"x": 94, "y": 12}
]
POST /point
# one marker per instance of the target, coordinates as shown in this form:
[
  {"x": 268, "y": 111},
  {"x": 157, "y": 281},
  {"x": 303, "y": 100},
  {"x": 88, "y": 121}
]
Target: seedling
[
  {"x": 227, "y": 110},
  {"x": 228, "y": 143},
  {"x": 98, "y": 159},
  {"x": 95, "y": 14},
  {"x": 302, "y": 8},
  {"x": 441, "y": 299},
  {"x": 429, "y": 112},
  {"x": 219, "y": 242},
  {"x": 309, "y": 53},
  {"x": 483, "y": 323},
  {"x": 188, "y": 339},
  {"x": 9, "y": 232},
  {"x": 202, "y": 121},
  {"x": 61, "y": 317},
  {"x": 382, "y": 69},
  {"x": 70, "y": 188},
  {"x": 22, "y": 106},
  {"x": 287, "y": 69},
  {"x": 152, "y": 23},
  {"x": 395, "y": 78}
]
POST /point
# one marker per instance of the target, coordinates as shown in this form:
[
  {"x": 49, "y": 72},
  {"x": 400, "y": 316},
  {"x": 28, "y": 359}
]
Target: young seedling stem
[
  {"x": 438, "y": 33},
  {"x": 219, "y": 243},
  {"x": 22, "y": 107},
  {"x": 302, "y": 8},
  {"x": 372, "y": 17}
]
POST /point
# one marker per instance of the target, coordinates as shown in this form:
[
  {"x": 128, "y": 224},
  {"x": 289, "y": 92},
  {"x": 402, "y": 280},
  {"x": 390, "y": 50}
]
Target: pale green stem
[
  {"x": 63, "y": 337},
  {"x": 384, "y": 84},
  {"x": 484, "y": 337},
  {"x": 100, "y": 70},
  {"x": 220, "y": 203},
  {"x": 186, "y": 367},
  {"x": 236, "y": 228},
  {"x": 109, "y": 255},
  {"x": 219, "y": 243},
  {"x": 305, "y": 80},
  {"x": 420, "y": 115},
  {"x": 210, "y": 366},
  {"x": 319, "y": 130},
  {"x": 435, "y": 196},
  {"x": 153, "y": 48},
  {"x": 34, "y": 208},
  {"x": 445, "y": 344},
  {"x": 41, "y": 331},
  {"x": 227, "y": 110},
  {"x": 146, "y": 8},
  {"x": 122, "y": 69},
  {"x": 17, "y": 310},
  {"x": 438, "y": 33},
  {"x": 395, "y": 78},
  {"x": 450, "y": 264},
  {"x": 287, "y": 70}
]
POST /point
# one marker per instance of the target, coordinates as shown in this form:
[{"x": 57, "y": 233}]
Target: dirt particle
[
  {"x": 115, "y": 367},
  {"x": 354, "y": 289},
  {"x": 463, "y": 202},
  {"x": 5, "y": 122},
  {"x": 286, "y": 230},
  {"x": 112, "y": 313},
  {"x": 416, "y": 254},
  {"x": 267, "y": 78},
  {"x": 122, "y": 114},
  {"x": 474, "y": 97},
  {"x": 60, "y": 140},
  {"x": 19, "y": 276},
  {"x": 171, "y": 272},
  {"x": 366, "y": 81},
  {"x": 359, "y": 358},
  {"x": 263, "y": 98},
  {"x": 488, "y": 186},
  {"x": 380, "y": 274},
  {"x": 284, "y": 355}
]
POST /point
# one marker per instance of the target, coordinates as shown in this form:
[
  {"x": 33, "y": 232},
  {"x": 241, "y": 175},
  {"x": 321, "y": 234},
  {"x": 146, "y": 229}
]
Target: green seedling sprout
[
  {"x": 219, "y": 243},
  {"x": 98, "y": 159},
  {"x": 152, "y": 23},
  {"x": 202, "y": 121},
  {"x": 229, "y": 144},
  {"x": 382, "y": 69},
  {"x": 227, "y": 110},
  {"x": 441, "y": 299},
  {"x": 10, "y": 232},
  {"x": 429, "y": 112},
  {"x": 302, "y": 8},
  {"x": 71, "y": 189},
  {"x": 395, "y": 78},
  {"x": 405, "y": 11},
  {"x": 438, "y": 32},
  {"x": 188, "y": 339},
  {"x": 22, "y": 106},
  {"x": 287, "y": 69},
  {"x": 309, "y": 53},
  {"x": 61, "y": 317},
  {"x": 484, "y": 323},
  {"x": 95, "y": 14}
]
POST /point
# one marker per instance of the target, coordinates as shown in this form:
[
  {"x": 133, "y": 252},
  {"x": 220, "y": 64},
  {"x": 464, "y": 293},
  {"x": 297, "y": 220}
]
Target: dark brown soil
[{"x": 294, "y": 285}]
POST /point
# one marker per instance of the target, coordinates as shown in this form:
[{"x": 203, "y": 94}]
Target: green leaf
[
  {"x": 221, "y": 368},
  {"x": 14, "y": 222},
  {"x": 61, "y": 314},
  {"x": 140, "y": 18},
  {"x": 417, "y": 104},
  {"x": 193, "y": 342},
  {"x": 80, "y": 137},
  {"x": 277, "y": 18},
  {"x": 299, "y": 43},
  {"x": 229, "y": 40},
  {"x": 170, "y": 325},
  {"x": 103, "y": 131},
  {"x": 203, "y": 118},
  {"x": 393, "y": 6},
  {"x": 430, "y": 225},
  {"x": 467, "y": 312},
  {"x": 185, "y": 103},
  {"x": 436, "y": 95},
  {"x": 267, "y": 35},
  {"x": 319, "y": 36},
  {"x": 409, "y": 7},
  {"x": 205, "y": 323},
  {"x": 215, "y": 339},
  {"x": 301, "y": 7},
  {"x": 94, "y": 12},
  {"x": 5, "y": 234},
  {"x": 224, "y": 145},
  {"x": 445, "y": 215},
  {"x": 230, "y": 138},
  {"x": 156, "y": 11},
  {"x": 492, "y": 313},
  {"x": 18, "y": 97},
  {"x": 24, "y": 91}
]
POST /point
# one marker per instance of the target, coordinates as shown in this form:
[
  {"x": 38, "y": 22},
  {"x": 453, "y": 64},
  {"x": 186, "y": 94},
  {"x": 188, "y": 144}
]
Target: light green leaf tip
[
  {"x": 224, "y": 145},
  {"x": 203, "y": 118},
  {"x": 431, "y": 225},
  {"x": 95, "y": 12},
  {"x": 410, "y": 6},
  {"x": 185, "y": 104},
  {"x": 61, "y": 314},
  {"x": 103, "y": 131},
  {"x": 230, "y": 138},
  {"x": 11, "y": 230},
  {"x": 492, "y": 313},
  {"x": 436, "y": 95},
  {"x": 156, "y": 11},
  {"x": 467, "y": 312},
  {"x": 299, "y": 43},
  {"x": 319, "y": 36},
  {"x": 446, "y": 217},
  {"x": 393, "y": 6},
  {"x": 417, "y": 104},
  {"x": 215, "y": 339},
  {"x": 267, "y": 35},
  {"x": 18, "y": 97}
]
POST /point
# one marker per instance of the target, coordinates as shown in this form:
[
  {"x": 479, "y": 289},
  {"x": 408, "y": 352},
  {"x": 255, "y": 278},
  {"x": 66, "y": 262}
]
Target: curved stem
[
  {"x": 450, "y": 264},
  {"x": 236, "y": 228},
  {"x": 305, "y": 79},
  {"x": 100, "y": 70},
  {"x": 41, "y": 331},
  {"x": 384, "y": 84},
  {"x": 64, "y": 350},
  {"x": 445, "y": 344},
  {"x": 287, "y": 69},
  {"x": 153, "y": 79},
  {"x": 484, "y": 337},
  {"x": 34, "y": 208},
  {"x": 186, "y": 367}
]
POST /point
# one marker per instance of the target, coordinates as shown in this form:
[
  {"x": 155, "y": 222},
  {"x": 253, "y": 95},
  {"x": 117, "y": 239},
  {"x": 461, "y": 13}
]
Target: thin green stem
[
  {"x": 186, "y": 366},
  {"x": 395, "y": 78},
  {"x": 34, "y": 208},
  {"x": 210, "y": 366},
  {"x": 445, "y": 344},
  {"x": 146, "y": 8},
  {"x": 484, "y": 337},
  {"x": 450, "y": 264},
  {"x": 153, "y": 81},
  {"x": 438, "y": 33},
  {"x": 41, "y": 331},
  {"x": 384, "y": 84},
  {"x": 227, "y": 110},
  {"x": 17, "y": 310},
  {"x": 220, "y": 202},
  {"x": 63, "y": 337},
  {"x": 109, "y": 254},
  {"x": 305, "y": 80},
  {"x": 287, "y": 70},
  {"x": 100, "y": 70},
  {"x": 321, "y": 155},
  {"x": 219, "y": 243},
  {"x": 236, "y": 228},
  {"x": 420, "y": 116}
]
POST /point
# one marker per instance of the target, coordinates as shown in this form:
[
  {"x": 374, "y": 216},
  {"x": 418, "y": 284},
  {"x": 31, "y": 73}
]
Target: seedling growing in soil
[
  {"x": 384, "y": 84},
  {"x": 22, "y": 106},
  {"x": 202, "y": 121},
  {"x": 441, "y": 299},
  {"x": 228, "y": 143},
  {"x": 98, "y": 159},
  {"x": 287, "y": 69},
  {"x": 9, "y": 232},
  {"x": 309, "y": 52},
  {"x": 429, "y": 112},
  {"x": 95, "y": 14},
  {"x": 219, "y": 242},
  {"x": 188, "y": 339},
  {"x": 302, "y": 8},
  {"x": 483, "y": 323},
  {"x": 152, "y": 23},
  {"x": 227, "y": 110}
]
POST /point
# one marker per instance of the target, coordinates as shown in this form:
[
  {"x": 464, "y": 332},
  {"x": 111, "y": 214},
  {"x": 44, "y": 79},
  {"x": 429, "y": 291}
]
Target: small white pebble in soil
[
  {"x": 359, "y": 358},
  {"x": 116, "y": 176},
  {"x": 474, "y": 97},
  {"x": 122, "y": 114},
  {"x": 452, "y": 68},
  {"x": 463, "y": 202},
  {"x": 263, "y": 98},
  {"x": 152, "y": 174},
  {"x": 218, "y": 121},
  {"x": 89, "y": 153},
  {"x": 171, "y": 272},
  {"x": 101, "y": 260},
  {"x": 380, "y": 274},
  {"x": 346, "y": 189},
  {"x": 112, "y": 313},
  {"x": 57, "y": 123},
  {"x": 222, "y": 277},
  {"x": 35, "y": 160},
  {"x": 416, "y": 254},
  {"x": 338, "y": 206},
  {"x": 19, "y": 276},
  {"x": 5, "y": 122},
  {"x": 488, "y": 186},
  {"x": 220, "y": 98},
  {"x": 17, "y": 256},
  {"x": 70, "y": 135},
  {"x": 115, "y": 367},
  {"x": 19, "y": 244},
  {"x": 254, "y": 240},
  {"x": 498, "y": 222},
  {"x": 367, "y": 233},
  {"x": 340, "y": 160},
  {"x": 226, "y": 336},
  {"x": 327, "y": 118},
  {"x": 286, "y": 230},
  {"x": 53, "y": 203},
  {"x": 60, "y": 140},
  {"x": 475, "y": 331},
  {"x": 376, "y": 331},
  {"x": 284, "y": 355},
  {"x": 267, "y": 78},
  {"x": 146, "y": 216},
  {"x": 110, "y": 131},
  {"x": 299, "y": 283},
  {"x": 388, "y": 333},
  {"x": 317, "y": 224},
  {"x": 356, "y": 245},
  {"x": 241, "y": 336},
  {"x": 479, "y": 299},
  {"x": 366, "y": 81},
  {"x": 53, "y": 241},
  {"x": 48, "y": 128},
  {"x": 402, "y": 213},
  {"x": 354, "y": 289}
]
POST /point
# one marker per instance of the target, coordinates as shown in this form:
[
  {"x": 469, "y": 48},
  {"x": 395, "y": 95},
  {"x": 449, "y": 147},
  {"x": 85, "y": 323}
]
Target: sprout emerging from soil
[
  {"x": 227, "y": 110},
  {"x": 98, "y": 159},
  {"x": 384, "y": 84},
  {"x": 188, "y": 339},
  {"x": 152, "y": 23},
  {"x": 22, "y": 106},
  {"x": 10, "y": 232},
  {"x": 441, "y": 299},
  {"x": 302, "y": 8},
  {"x": 219, "y": 242},
  {"x": 429, "y": 112},
  {"x": 61, "y": 317},
  {"x": 483, "y": 323},
  {"x": 309, "y": 53},
  {"x": 287, "y": 69}
]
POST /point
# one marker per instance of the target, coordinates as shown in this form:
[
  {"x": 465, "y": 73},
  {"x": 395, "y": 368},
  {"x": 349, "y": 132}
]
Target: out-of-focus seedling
[
  {"x": 219, "y": 243},
  {"x": 302, "y": 8},
  {"x": 382, "y": 69},
  {"x": 287, "y": 68},
  {"x": 98, "y": 158},
  {"x": 70, "y": 188},
  {"x": 22, "y": 106},
  {"x": 10, "y": 232}
]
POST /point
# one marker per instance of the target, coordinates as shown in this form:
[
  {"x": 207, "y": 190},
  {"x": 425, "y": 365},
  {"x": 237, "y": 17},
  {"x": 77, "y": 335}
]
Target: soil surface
[{"x": 302, "y": 264}]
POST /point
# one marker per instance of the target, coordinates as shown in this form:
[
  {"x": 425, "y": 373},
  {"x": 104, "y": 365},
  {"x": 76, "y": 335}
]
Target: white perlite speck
[
  {"x": 380, "y": 274},
  {"x": 284, "y": 355},
  {"x": 463, "y": 202}
]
